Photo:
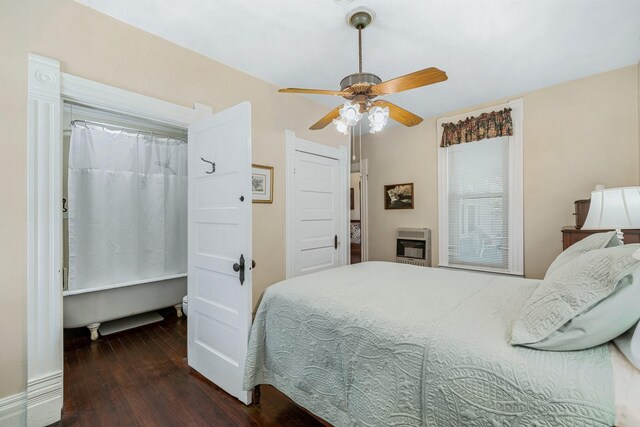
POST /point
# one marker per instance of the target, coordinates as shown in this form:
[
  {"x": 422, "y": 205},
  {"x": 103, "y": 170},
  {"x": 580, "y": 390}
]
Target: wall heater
[{"x": 413, "y": 246}]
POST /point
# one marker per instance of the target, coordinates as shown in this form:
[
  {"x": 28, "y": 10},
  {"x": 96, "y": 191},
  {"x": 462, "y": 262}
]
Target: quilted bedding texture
[{"x": 384, "y": 344}]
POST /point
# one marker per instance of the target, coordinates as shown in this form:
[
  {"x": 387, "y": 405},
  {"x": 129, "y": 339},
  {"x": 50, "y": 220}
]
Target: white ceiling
[{"x": 489, "y": 48}]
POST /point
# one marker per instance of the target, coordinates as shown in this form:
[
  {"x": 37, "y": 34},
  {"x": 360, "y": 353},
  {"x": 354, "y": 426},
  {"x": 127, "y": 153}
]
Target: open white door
[{"x": 219, "y": 244}]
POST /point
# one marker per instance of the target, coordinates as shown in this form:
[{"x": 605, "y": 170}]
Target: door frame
[
  {"x": 48, "y": 88},
  {"x": 364, "y": 210},
  {"x": 341, "y": 154}
]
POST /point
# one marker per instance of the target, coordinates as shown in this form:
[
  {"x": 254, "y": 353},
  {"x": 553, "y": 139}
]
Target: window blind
[{"x": 478, "y": 198}]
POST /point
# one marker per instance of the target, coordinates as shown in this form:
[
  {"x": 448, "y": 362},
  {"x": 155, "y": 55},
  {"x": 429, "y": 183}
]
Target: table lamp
[{"x": 614, "y": 208}]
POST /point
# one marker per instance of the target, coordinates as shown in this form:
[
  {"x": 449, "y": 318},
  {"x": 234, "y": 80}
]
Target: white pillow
[
  {"x": 607, "y": 239},
  {"x": 629, "y": 345},
  {"x": 573, "y": 288}
]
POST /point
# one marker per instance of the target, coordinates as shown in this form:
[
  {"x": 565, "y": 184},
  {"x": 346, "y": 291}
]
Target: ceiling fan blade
[
  {"x": 333, "y": 114},
  {"x": 313, "y": 91},
  {"x": 425, "y": 77},
  {"x": 399, "y": 114}
]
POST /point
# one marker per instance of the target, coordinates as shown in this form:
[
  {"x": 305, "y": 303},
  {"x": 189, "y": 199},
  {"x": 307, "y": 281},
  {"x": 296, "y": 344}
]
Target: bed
[{"x": 392, "y": 344}]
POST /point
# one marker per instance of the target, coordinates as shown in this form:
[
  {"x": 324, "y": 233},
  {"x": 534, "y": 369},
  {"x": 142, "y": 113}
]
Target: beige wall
[
  {"x": 395, "y": 156},
  {"x": 97, "y": 47},
  {"x": 576, "y": 135}
]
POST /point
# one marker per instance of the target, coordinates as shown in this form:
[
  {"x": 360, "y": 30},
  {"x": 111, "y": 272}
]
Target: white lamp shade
[
  {"x": 341, "y": 126},
  {"x": 614, "y": 208},
  {"x": 378, "y": 118},
  {"x": 350, "y": 113}
]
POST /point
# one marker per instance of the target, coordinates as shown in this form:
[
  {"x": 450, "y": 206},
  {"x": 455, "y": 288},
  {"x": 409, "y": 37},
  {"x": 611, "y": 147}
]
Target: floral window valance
[{"x": 486, "y": 125}]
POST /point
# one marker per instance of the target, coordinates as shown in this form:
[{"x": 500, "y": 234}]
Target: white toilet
[{"x": 184, "y": 305}]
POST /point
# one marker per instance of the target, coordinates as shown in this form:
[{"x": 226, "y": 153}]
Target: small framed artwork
[
  {"x": 398, "y": 196},
  {"x": 262, "y": 183},
  {"x": 353, "y": 205}
]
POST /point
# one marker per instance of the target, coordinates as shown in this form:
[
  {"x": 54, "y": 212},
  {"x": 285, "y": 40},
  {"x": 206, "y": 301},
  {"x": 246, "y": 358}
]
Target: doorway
[
  {"x": 48, "y": 88},
  {"x": 358, "y": 214},
  {"x": 355, "y": 203},
  {"x": 124, "y": 215}
]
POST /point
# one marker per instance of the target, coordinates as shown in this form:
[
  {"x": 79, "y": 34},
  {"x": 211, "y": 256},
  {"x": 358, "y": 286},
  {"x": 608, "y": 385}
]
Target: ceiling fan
[{"x": 360, "y": 89}]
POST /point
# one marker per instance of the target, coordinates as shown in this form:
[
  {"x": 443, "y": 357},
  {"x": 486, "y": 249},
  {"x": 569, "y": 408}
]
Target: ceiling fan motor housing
[{"x": 359, "y": 78}]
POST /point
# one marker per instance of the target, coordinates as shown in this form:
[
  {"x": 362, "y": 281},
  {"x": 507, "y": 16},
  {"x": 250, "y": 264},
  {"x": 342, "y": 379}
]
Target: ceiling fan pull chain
[
  {"x": 360, "y": 145},
  {"x": 353, "y": 146}
]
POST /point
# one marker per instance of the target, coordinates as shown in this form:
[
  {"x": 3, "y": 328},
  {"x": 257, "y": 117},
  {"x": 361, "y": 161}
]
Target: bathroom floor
[{"x": 140, "y": 377}]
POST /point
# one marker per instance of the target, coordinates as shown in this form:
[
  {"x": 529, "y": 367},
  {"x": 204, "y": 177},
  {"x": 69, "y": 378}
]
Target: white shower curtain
[{"x": 127, "y": 207}]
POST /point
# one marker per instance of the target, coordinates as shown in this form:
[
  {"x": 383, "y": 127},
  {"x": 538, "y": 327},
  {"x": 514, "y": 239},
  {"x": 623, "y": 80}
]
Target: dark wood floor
[
  {"x": 140, "y": 377},
  {"x": 356, "y": 253}
]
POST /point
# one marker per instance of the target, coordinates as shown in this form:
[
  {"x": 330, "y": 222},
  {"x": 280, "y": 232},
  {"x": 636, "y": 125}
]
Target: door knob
[{"x": 239, "y": 267}]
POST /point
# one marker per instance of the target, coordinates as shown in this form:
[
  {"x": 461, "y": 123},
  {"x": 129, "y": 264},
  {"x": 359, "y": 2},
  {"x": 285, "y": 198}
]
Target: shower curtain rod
[{"x": 124, "y": 128}]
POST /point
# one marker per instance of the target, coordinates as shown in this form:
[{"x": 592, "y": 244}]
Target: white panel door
[
  {"x": 219, "y": 235},
  {"x": 316, "y": 213}
]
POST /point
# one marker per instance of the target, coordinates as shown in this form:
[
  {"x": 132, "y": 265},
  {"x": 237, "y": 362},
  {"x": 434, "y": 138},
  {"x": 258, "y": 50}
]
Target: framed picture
[
  {"x": 352, "y": 199},
  {"x": 262, "y": 183},
  {"x": 398, "y": 196}
]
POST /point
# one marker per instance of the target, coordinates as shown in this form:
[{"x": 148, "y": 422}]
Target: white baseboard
[
  {"x": 13, "y": 410},
  {"x": 44, "y": 400}
]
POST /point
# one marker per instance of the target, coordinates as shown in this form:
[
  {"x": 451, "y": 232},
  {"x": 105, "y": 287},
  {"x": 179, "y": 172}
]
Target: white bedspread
[{"x": 390, "y": 344}]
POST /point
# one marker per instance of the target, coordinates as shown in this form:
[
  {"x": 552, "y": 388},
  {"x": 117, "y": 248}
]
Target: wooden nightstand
[{"x": 571, "y": 235}]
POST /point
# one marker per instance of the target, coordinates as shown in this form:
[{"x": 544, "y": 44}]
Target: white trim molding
[
  {"x": 44, "y": 399},
  {"x": 364, "y": 209},
  {"x": 104, "y": 97},
  {"x": 13, "y": 410},
  {"x": 44, "y": 231},
  {"x": 47, "y": 87},
  {"x": 516, "y": 208},
  {"x": 290, "y": 152},
  {"x": 294, "y": 144}
]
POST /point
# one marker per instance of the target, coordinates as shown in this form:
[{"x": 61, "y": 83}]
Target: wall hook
[{"x": 213, "y": 165}]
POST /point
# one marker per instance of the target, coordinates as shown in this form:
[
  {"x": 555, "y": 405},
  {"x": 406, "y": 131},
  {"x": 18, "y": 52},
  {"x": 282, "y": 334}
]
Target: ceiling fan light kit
[
  {"x": 378, "y": 118},
  {"x": 341, "y": 126},
  {"x": 350, "y": 113},
  {"x": 360, "y": 89}
]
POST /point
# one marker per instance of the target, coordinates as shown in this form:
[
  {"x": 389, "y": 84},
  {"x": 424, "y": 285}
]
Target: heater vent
[{"x": 413, "y": 246}]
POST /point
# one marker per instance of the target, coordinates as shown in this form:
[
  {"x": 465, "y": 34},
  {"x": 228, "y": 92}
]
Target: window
[{"x": 480, "y": 199}]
